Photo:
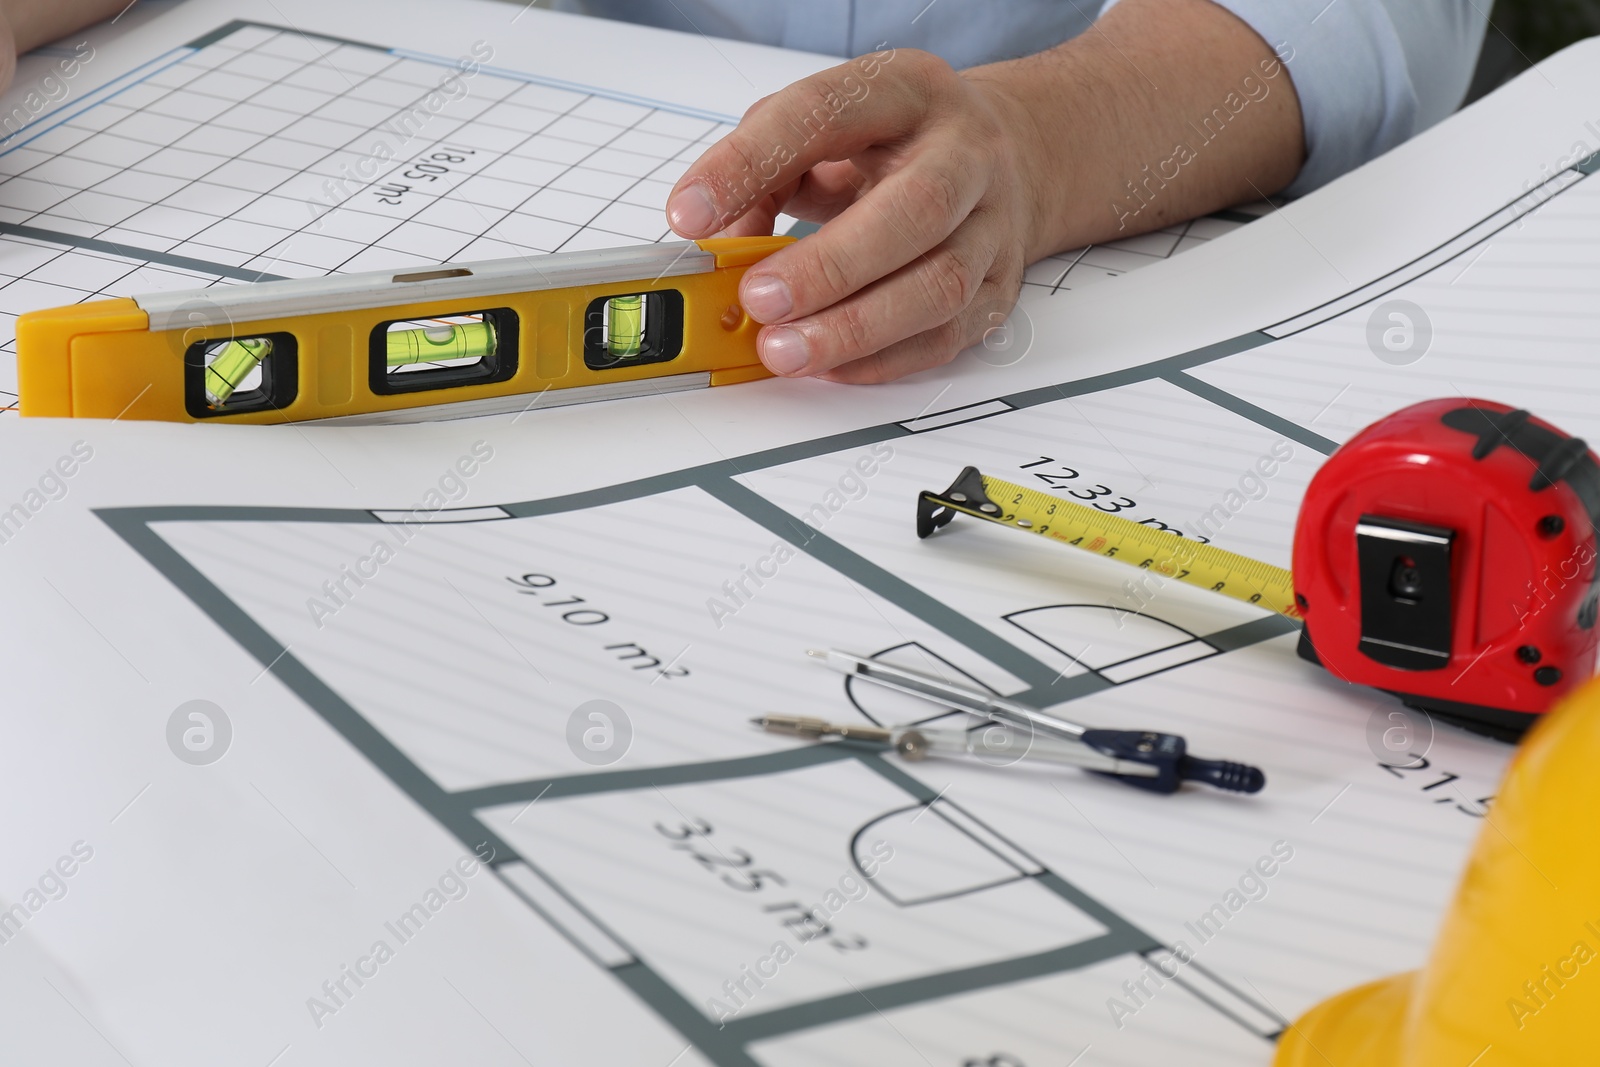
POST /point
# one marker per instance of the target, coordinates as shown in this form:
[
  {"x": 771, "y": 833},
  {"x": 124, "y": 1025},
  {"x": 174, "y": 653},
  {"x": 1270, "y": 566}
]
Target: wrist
[
  {"x": 1063, "y": 124},
  {"x": 1030, "y": 160}
]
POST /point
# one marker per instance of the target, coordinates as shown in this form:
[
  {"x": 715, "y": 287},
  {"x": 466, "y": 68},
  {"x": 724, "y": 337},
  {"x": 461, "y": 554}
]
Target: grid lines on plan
[
  {"x": 275, "y": 153},
  {"x": 266, "y": 152}
]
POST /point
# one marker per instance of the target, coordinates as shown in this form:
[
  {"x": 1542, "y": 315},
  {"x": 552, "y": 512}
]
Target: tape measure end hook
[{"x": 934, "y": 510}]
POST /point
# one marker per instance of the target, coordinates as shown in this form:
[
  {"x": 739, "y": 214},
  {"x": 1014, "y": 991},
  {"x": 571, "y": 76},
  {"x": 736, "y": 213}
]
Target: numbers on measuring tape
[{"x": 1137, "y": 541}]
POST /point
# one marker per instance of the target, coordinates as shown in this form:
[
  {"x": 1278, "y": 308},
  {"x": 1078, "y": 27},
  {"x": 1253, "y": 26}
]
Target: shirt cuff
[{"x": 1349, "y": 70}]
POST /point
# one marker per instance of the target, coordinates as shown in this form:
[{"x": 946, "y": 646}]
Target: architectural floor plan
[
  {"x": 484, "y": 646},
  {"x": 713, "y": 828}
]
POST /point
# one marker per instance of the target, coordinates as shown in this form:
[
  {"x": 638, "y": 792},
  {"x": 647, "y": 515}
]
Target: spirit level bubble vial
[{"x": 450, "y": 341}]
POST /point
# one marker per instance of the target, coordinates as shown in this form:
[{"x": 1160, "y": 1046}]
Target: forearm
[{"x": 1165, "y": 110}]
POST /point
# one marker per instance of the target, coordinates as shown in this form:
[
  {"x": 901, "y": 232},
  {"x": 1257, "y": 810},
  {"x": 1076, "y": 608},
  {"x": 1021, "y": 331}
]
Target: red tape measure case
[{"x": 1446, "y": 553}]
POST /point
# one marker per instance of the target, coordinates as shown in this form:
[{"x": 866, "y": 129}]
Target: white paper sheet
[
  {"x": 258, "y": 151},
  {"x": 673, "y": 557}
]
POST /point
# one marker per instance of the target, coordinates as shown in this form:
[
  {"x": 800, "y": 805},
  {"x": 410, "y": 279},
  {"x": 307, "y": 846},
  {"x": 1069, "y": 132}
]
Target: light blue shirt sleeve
[
  {"x": 1369, "y": 73},
  {"x": 964, "y": 33}
]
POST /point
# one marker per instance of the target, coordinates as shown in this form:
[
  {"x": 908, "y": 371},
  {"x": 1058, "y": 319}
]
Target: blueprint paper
[
  {"x": 256, "y": 151},
  {"x": 398, "y": 837}
]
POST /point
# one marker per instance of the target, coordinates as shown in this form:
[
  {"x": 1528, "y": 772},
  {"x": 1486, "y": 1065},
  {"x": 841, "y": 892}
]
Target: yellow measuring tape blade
[{"x": 1092, "y": 530}]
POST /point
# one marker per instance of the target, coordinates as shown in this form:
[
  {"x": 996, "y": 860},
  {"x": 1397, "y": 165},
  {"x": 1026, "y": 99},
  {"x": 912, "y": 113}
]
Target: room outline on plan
[{"x": 479, "y": 815}]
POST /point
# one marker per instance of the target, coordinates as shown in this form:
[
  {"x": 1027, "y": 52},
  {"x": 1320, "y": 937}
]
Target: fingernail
[
  {"x": 767, "y": 299},
  {"x": 691, "y": 211},
  {"x": 784, "y": 351}
]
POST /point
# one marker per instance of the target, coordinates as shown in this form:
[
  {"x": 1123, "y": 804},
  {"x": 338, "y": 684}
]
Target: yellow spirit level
[{"x": 448, "y": 341}]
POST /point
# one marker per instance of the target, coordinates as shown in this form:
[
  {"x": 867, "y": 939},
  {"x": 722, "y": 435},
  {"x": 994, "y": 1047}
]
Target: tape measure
[
  {"x": 1446, "y": 554},
  {"x": 1168, "y": 555}
]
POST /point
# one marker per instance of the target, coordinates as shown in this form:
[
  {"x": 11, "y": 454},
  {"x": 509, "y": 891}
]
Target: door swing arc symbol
[
  {"x": 940, "y": 852},
  {"x": 1115, "y": 644}
]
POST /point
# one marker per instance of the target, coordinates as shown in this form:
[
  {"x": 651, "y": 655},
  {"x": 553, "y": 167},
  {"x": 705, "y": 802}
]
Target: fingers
[
  {"x": 828, "y": 116},
  {"x": 912, "y": 177},
  {"x": 939, "y": 345},
  {"x": 758, "y": 221},
  {"x": 908, "y": 213},
  {"x": 826, "y": 190},
  {"x": 817, "y": 197},
  {"x": 933, "y": 288},
  {"x": 924, "y": 351}
]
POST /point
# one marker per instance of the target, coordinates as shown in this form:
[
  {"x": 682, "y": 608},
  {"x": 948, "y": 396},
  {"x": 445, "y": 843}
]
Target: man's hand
[
  {"x": 917, "y": 172},
  {"x": 936, "y": 188},
  {"x": 27, "y": 24}
]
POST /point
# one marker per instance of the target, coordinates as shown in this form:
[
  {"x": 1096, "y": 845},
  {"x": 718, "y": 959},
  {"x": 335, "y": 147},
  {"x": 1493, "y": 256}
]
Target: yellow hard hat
[{"x": 1514, "y": 977}]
